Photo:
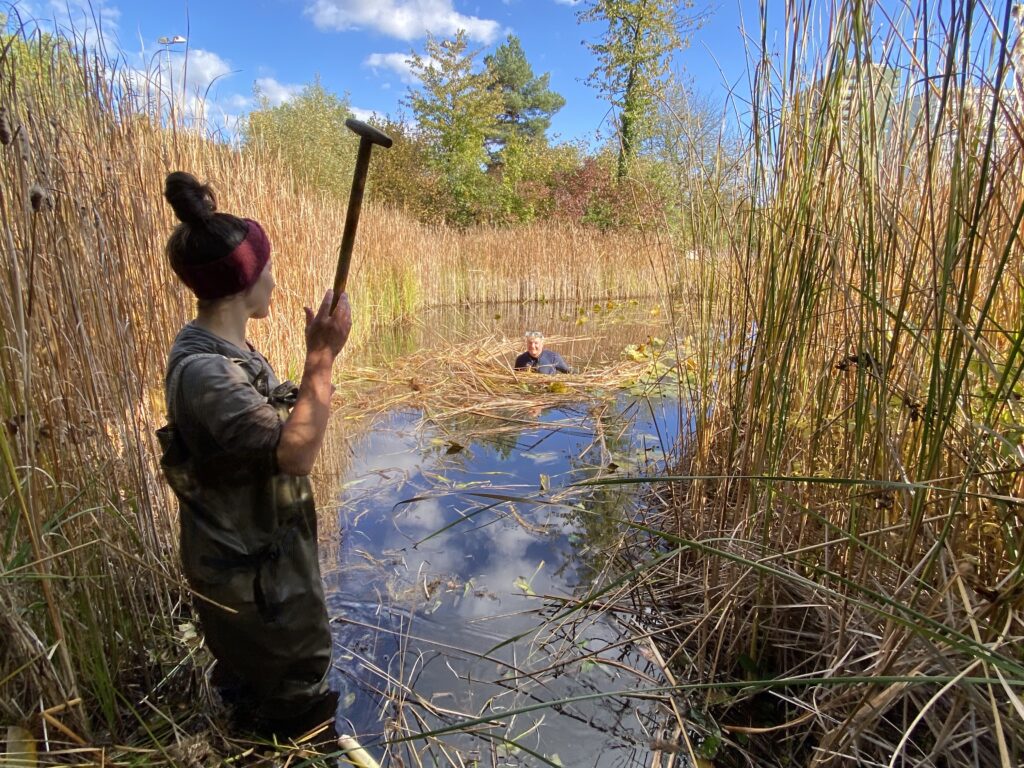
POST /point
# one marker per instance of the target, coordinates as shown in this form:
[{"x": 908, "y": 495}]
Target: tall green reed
[{"x": 863, "y": 431}]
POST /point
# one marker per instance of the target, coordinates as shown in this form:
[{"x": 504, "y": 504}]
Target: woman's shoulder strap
[{"x": 171, "y": 390}]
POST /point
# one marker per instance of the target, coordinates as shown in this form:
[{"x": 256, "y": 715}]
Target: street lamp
[{"x": 167, "y": 42}]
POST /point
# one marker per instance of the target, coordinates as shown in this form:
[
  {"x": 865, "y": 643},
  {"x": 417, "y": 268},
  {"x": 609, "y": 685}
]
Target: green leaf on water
[
  {"x": 710, "y": 746},
  {"x": 524, "y": 585},
  {"x": 545, "y": 483},
  {"x": 432, "y": 607}
]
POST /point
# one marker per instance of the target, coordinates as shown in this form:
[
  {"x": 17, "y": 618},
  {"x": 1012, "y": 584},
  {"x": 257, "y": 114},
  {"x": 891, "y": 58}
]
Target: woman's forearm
[{"x": 303, "y": 432}]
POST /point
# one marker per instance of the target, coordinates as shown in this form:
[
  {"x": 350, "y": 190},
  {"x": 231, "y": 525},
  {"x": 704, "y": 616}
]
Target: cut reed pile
[
  {"x": 475, "y": 376},
  {"x": 91, "y": 603},
  {"x": 847, "y": 584}
]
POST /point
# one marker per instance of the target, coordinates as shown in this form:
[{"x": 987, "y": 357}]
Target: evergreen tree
[
  {"x": 528, "y": 102},
  {"x": 633, "y": 56}
]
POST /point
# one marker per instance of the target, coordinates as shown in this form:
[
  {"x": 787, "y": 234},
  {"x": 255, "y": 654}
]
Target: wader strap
[
  {"x": 284, "y": 539},
  {"x": 171, "y": 392}
]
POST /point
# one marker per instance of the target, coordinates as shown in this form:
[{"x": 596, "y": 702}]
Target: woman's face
[
  {"x": 534, "y": 345},
  {"x": 259, "y": 294}
]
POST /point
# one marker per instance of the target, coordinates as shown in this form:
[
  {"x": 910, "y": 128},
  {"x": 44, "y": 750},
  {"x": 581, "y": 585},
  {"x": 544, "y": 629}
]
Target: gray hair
[{"x": 533, "y": 335}]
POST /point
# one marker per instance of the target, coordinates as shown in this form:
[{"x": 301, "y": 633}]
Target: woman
[{"x": 237, "y": 451}]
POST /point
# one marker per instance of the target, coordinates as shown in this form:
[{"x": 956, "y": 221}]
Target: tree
[
  {"x": 633, "y": 56},
  {"x": 404, "y": 177},
  {"x": 528, "y": 102},
  {"x": 309, "y": 134},
  {"x": 702, "y": 164},
  {"x": 456, "y": 109}
]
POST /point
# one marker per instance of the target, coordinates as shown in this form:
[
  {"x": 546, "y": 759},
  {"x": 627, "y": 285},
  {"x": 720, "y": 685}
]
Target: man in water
[{"x": 538, "y": 359}]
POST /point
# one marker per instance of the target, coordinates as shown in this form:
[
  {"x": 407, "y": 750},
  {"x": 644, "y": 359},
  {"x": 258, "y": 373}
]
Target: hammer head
[{"x": 368, "y": 132}]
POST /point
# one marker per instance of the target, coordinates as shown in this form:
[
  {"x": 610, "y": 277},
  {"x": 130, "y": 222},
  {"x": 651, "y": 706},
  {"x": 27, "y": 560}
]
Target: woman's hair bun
[{"x": 193, "y": 203}]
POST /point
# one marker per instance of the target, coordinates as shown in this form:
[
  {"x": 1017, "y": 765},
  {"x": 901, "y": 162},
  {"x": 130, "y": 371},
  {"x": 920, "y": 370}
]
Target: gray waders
[{"x": 249, "y": 547}]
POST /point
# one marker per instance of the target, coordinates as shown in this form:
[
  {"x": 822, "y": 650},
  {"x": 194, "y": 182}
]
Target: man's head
[{"x": 534, "y": 343}]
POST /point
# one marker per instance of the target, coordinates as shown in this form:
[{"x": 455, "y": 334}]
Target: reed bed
[
  {"x": 841, "y": 576},
  {"x": 846, "y": 586},
  {"x": 98, "y": 646}
]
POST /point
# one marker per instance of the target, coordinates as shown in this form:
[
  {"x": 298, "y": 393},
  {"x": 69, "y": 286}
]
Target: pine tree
[{"x": 528, "y": 102}]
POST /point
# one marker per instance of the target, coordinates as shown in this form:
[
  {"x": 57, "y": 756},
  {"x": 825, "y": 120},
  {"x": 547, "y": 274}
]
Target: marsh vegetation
[{"x": 828, "y": 558}]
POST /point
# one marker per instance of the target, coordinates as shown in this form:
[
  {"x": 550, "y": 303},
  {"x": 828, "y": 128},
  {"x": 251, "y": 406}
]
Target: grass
[
  {"x": 840, "y": 575},
  {"x": 843, "y": 578},
  {"x": 847, "y": 512},
  {"x": 474, "y": 375},
  {"x": 93, "y": 603}
]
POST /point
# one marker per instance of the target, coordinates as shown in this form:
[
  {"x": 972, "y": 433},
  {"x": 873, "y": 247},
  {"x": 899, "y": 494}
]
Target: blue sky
[{"x": 359, "y": 46}]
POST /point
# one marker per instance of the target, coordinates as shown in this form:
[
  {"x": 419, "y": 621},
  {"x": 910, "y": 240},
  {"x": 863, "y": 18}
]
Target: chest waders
[{"x": 249, "y": 545}]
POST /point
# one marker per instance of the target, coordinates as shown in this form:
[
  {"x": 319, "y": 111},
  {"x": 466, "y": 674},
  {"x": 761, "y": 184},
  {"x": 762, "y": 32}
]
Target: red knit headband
[{"x": 229, "y": 274}]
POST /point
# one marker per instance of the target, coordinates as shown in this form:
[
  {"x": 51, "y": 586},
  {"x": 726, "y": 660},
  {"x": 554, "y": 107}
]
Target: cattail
[
  {"x": 39, "y": 198},
  {"x": 6, "y": 136},
  {"x": 24, "y": 148}
]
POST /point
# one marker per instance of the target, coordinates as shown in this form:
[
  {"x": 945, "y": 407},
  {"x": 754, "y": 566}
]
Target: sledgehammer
[{"x": 368, "y": 136}]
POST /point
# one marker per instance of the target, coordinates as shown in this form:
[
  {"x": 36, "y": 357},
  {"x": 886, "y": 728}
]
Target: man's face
[{"x": 534, "y": 345}]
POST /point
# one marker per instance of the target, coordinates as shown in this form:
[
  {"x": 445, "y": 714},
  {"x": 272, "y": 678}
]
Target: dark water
[{"x": 465, "y": 545}]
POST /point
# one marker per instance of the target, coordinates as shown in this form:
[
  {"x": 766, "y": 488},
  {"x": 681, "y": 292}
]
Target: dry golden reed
[{"x": 88, "y": 310}]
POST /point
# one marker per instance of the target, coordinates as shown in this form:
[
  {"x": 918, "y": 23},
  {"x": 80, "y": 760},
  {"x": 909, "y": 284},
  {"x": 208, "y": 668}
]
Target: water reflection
[{"x": 463, "y": 550}]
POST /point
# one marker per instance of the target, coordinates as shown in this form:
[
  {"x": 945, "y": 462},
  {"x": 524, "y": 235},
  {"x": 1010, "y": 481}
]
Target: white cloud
[
  {"x": 158, "y": 77},
  {"x": 568, "y": 2},
  {"x": 189, "y": 85},
  {"x": 170, "y": 72},
  {"x": 396, "y": 62},
  {"x": 203, "y": 69},
  {"x": 87, "y": 23},
  {"x": 404, "y": 19},
  {"x": 275, "y": 92},
  {"x": 362, "y": 114},
  {"x": 239, "y": 102}
]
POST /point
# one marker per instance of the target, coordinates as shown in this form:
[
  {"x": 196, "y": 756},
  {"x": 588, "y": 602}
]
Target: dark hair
[{"x": 204, "y": 234}]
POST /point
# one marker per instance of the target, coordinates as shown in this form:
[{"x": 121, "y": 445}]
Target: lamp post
[{"x": 167, "y": 42}]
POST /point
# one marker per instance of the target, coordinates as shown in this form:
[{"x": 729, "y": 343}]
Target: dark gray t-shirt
[
  {"x": 222, "y": 413},
  {"x": 217, "y": 408}
]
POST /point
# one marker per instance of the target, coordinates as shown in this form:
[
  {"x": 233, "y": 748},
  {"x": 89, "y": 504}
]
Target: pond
[{"x": 467, "y": 547}]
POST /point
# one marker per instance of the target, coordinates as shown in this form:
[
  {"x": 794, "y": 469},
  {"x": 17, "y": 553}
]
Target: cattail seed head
[
  {"x": 24, "y": 149},
  {"x": 6, "y": 135},
  {"x": 39, "y": 198}
]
